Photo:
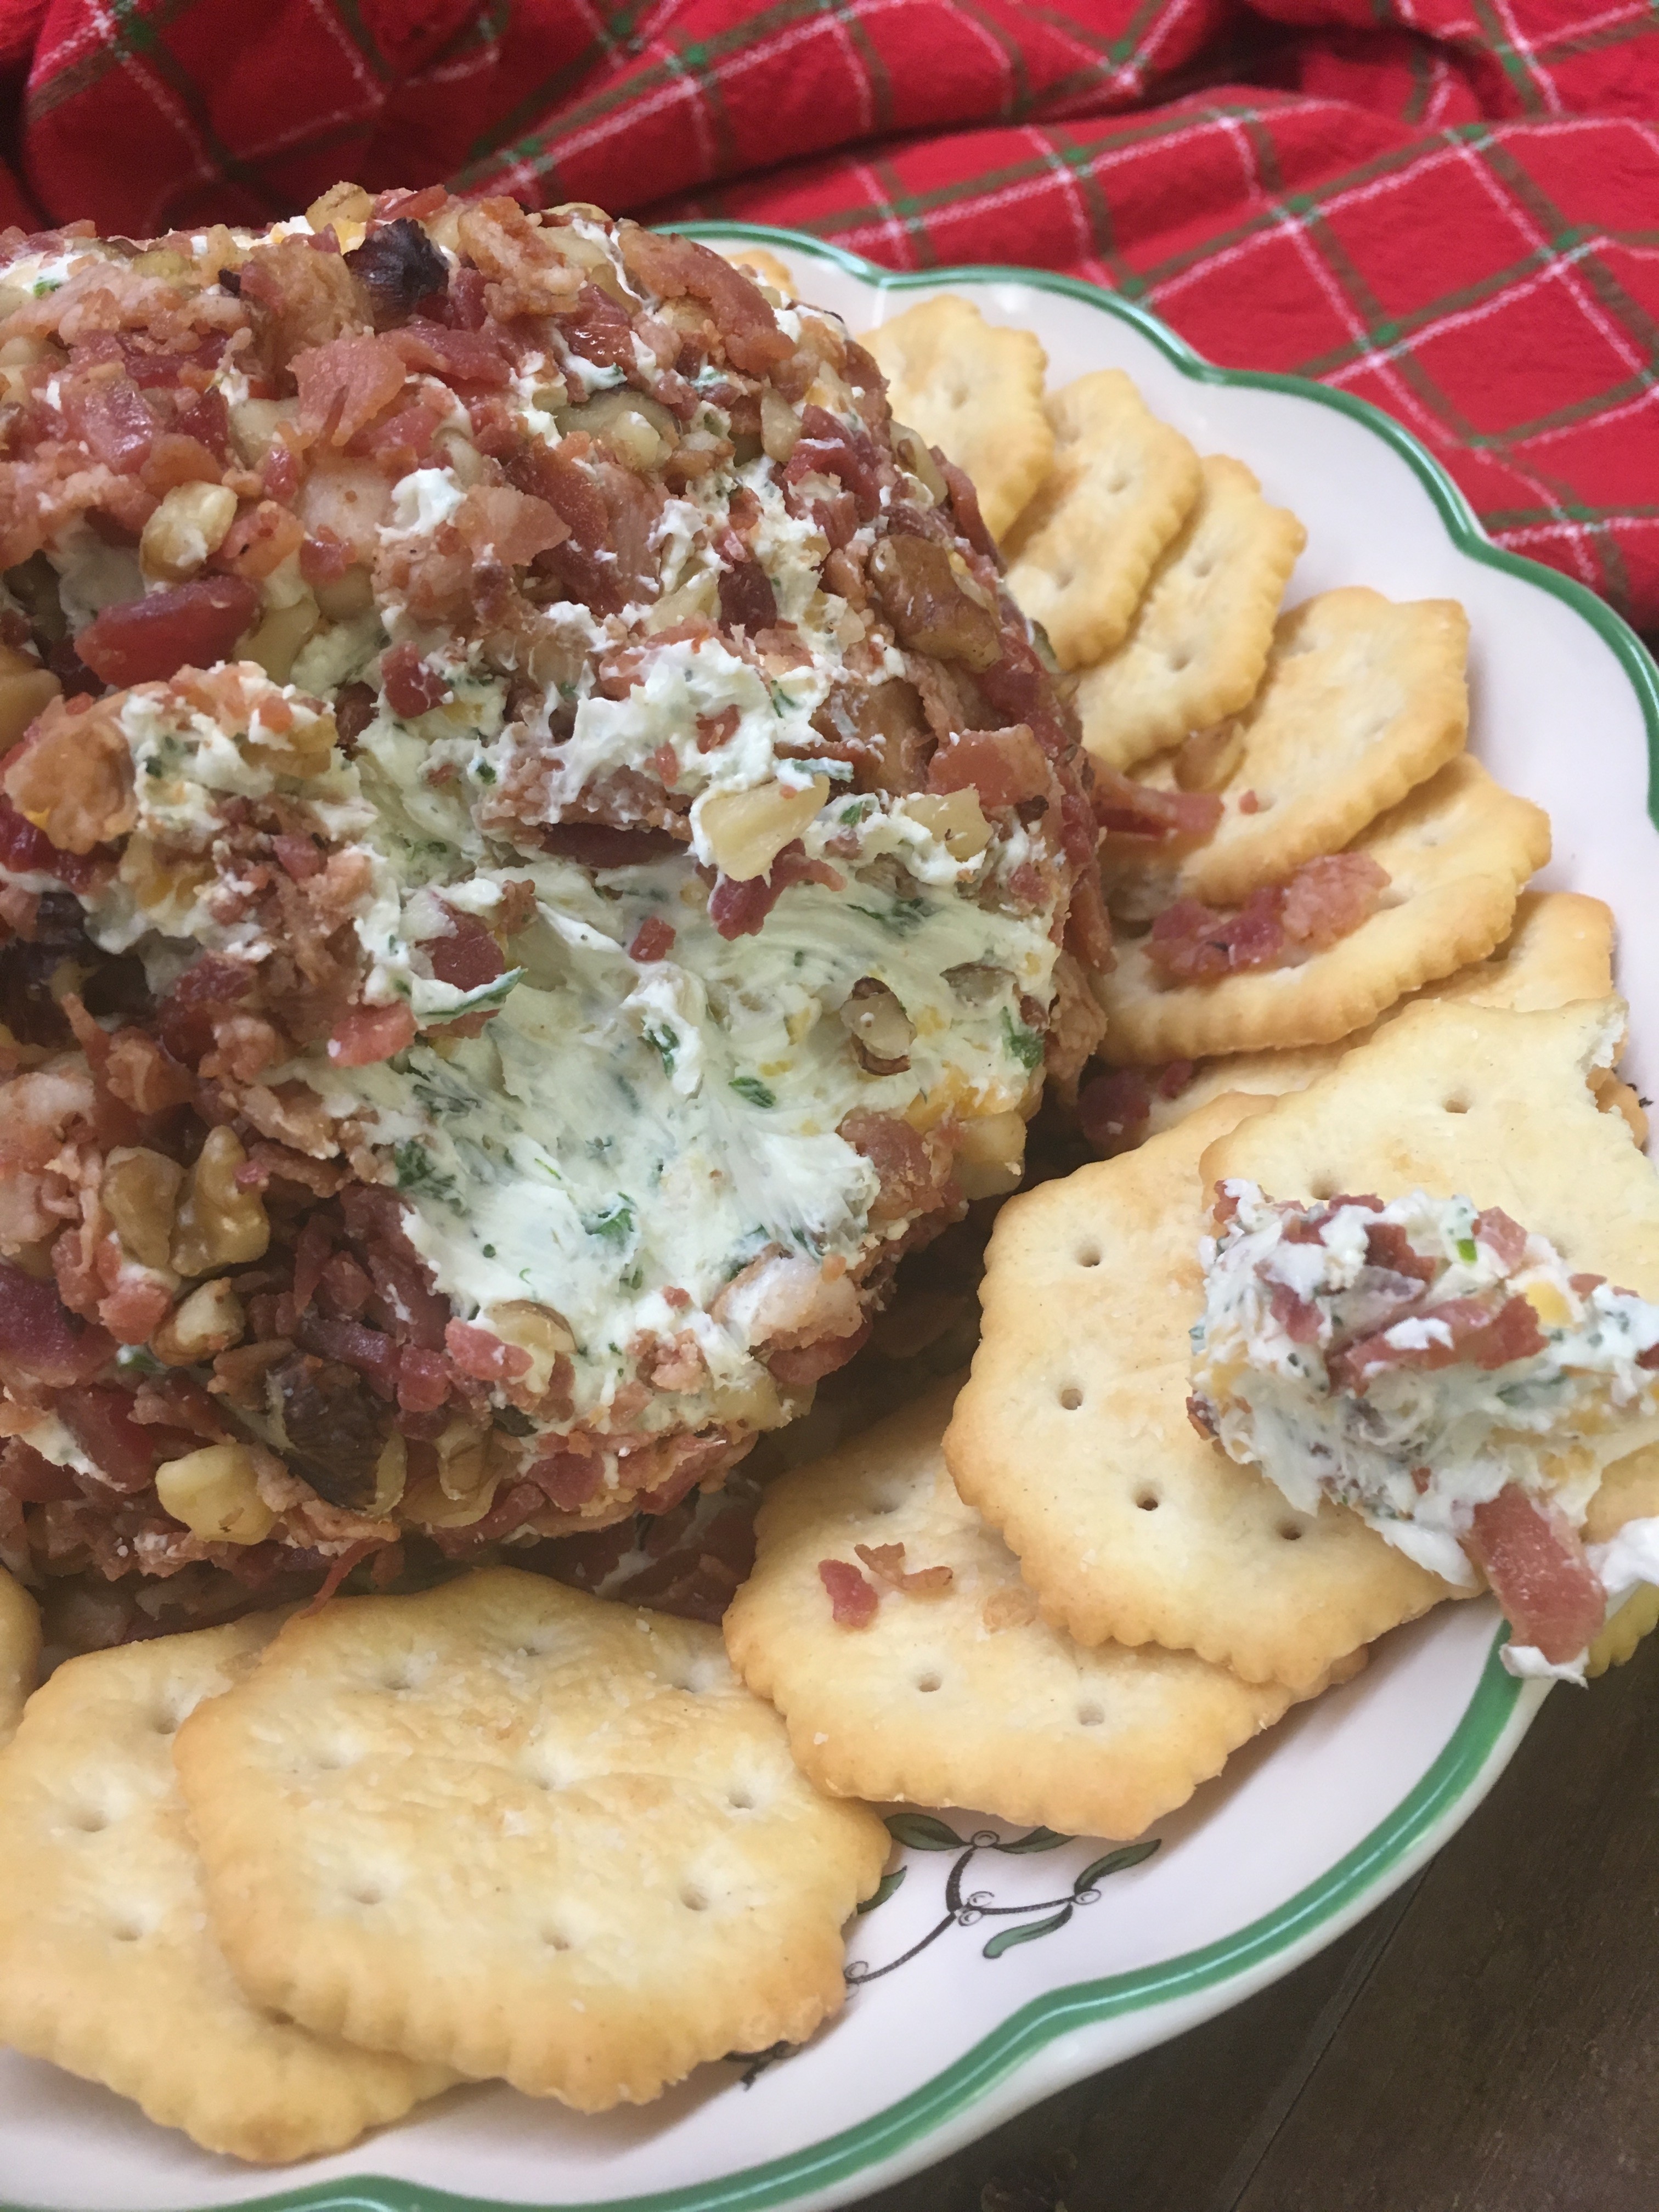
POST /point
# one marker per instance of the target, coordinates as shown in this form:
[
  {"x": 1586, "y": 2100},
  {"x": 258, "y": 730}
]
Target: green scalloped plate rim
[{"x": 1492, "y": 1724}]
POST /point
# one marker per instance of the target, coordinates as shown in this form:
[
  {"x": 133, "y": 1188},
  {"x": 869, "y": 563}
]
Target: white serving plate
[{"x": 1005, "y": 1994}]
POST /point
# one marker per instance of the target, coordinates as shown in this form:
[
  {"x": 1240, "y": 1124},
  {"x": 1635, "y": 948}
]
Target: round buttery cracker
[
  {"x": 1201, "y": 636},
  {"x": 1120, "y": 486},
  {"x": 1071, "y": 1436},
  {"x": 961, "y": 1695},
  {"x": 516, "y": 1829},
  {"x": 106, "y": 1965},
  {"x": 975, "y": 391},
  {"x": 19, "y": 1650},
  {"x": 1456, "y": 853}
]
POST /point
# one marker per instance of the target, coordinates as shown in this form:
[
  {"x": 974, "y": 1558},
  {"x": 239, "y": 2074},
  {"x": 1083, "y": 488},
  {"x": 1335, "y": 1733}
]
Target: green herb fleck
[
  {"x": 1024, "y": 1045},
  {"x": 855, "y": 810},
  {"x": 489, "y": 1251},
  {"x": 665, "y": 1043},
  {"x": 47, "y": 284},
  {"x": 415, "y": 1172},
  {"x": 633, "y": 1279},
  {"x": 484, "y": 772},
  {"x": 751, "y": 1088},
  {"x": 1465, "y": 1250},
  {"x": 134, "y": 1359},
  {"x": 615, "y": 1224},
  {"x": 800, "y": 956},
  {"x": 485, "y": 999},
  {"x": 904, "y": 917}
]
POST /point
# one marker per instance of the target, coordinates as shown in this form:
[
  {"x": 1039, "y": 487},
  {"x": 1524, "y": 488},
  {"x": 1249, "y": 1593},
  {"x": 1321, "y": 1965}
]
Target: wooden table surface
[{"x": 1487, "y": 2041}]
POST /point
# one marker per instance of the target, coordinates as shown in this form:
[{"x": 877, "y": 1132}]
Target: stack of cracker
[
  {"x": 280, "y": 1881},
  {"x": 1338, "y": 728}
]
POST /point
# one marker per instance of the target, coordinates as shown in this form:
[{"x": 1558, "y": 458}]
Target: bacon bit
[
  {"x": 826, "y": 447},
  {"x": 716, "y": 730},
  {"x": 194, "y": 625},
  {"x": 1201, "y": 1418},
  {"x": 354, "y": 710},
  {"x": 852, "y": 1600},
  {"x": 964, "y": 505},
  {"x": 886, "y": 1562},
  {"x": 134, "y": 1308},
  {"x": 652, "y": 940},
  {"x": 1584, "y": 1284},
  {"x": 344, "y": 385},
  {"x": 1295, "y": 1315},
  {"x": 1225, "y": 1207},
  {"x": 299, "y": 857},
  {"x": 141, "y": 1075},
  {"x": 482, "y": 1354},
  {"x": 1004, "y": 767},
  {"x": 411, "y": 687},
  {"x": 429, "y": 199},
  {"x": 352, "y": 1344},
  {"x": 37, "y": 1330},
  {"x": 1250, "y": 804},
  {"x": 28, "y": 851},
  {"x": 1174, "y": 1077},
  {"x": 738, "y": 909},
  {"x": 1388, "y": 1246},
  {"x": 365, "y": 1035},
  {"x": 1113, "y": 1108},
  {"x": 1126, "y": 809},
  {"x": 680, "y": 268},
  {"x": 597, "y": 845},
  {"x": 1323, "y": 900},
  {"x": 1507, "y": 1241},
  {"x": 1538, "y": 1571},
  {"x": 100, "y": 1418},
  {"x": 1327, "y": 898},
  {"x": 746, "y": 597},
  {"x": 1477, "y": 1334},
  {"x": 325, "y": 557},
  {"x": 568, "y": 1479},
  {"x": 423, "y": 1380},
  {"x": 459, "y": 357},
  {"x": 260, "y": 539},
  {"x": 279, "y": 473},
  {"x": 31, "y": 1479},
  {"x": 514, "y": 525},
  {"x": 469, "y": 957},
  {"x": 910, "y": 1176}
]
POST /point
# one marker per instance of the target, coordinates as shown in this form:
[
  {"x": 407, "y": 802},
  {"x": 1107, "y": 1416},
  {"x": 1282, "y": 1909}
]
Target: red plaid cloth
[{"x": 1450, "y": 207}]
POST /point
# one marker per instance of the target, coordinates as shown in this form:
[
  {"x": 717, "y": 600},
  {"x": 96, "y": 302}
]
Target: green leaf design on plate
[
  {"x": 1028, "y": 1934},
  {"x": 921, "y": 1832},
  {"x": 1040, "y": 1839},
  {"x": 884, "y": 1889},
  {"x": 1113, "y": 1863}
]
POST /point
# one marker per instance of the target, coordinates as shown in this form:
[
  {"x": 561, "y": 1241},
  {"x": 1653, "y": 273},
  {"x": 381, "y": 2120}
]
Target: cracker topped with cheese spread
[{"x": 1439, "y": 1369}]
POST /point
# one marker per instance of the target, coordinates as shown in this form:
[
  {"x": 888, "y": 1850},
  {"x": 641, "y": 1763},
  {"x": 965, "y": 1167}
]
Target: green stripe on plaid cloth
[{"x": 1451, "y": 207}]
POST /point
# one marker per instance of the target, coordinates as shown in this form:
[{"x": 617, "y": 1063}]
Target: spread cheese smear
[{"x": 1440, "y": 1370}]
